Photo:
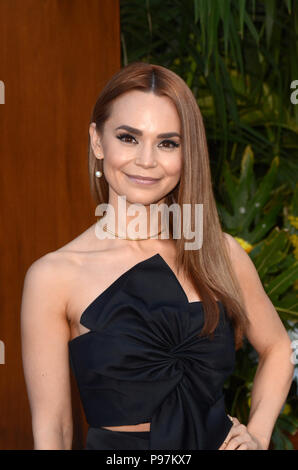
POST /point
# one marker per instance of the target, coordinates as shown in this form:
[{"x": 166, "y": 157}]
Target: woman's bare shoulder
[
  {"x": 61, "y": 263},
  {"x": 234, "y": 248},
  {"x": 54, "y": 263}
]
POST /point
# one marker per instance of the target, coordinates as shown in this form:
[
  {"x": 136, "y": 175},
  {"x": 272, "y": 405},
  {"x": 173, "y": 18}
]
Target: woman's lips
[{"x": 142, "y": 180}]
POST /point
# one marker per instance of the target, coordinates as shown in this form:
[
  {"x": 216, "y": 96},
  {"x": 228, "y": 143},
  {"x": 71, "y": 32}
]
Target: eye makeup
[{"x": 125, "y": 135}]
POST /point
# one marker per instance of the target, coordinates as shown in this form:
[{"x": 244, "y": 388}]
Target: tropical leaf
[{"x": 239, "y": 58}]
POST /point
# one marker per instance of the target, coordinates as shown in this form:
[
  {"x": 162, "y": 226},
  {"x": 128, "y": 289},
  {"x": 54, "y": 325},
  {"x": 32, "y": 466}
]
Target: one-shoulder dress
[{"x": 143, "y": 361}]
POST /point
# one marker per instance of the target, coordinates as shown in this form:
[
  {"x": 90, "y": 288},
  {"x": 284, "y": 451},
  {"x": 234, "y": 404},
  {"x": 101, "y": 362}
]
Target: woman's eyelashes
[{"x": 124, "y": 137}]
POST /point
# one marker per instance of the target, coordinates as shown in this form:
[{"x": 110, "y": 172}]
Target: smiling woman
[
  {"x": 140, "y": 157},
  {"x": 148, "y": 169},
  {"x": 149, "y": 328}
]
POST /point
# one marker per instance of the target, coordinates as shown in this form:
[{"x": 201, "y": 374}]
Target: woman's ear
[{"x": 95, "y": 141}]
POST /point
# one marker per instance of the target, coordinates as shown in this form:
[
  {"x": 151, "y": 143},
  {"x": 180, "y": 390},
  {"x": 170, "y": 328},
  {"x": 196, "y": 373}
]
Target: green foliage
[
  {"x": 247, "y": 203},
  {"x": 239, "y": 58},
  {"x": 250, "y": 211}
]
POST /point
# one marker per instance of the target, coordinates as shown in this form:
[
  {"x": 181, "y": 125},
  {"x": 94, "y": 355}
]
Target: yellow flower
[
  {"x": 293, "y": 221},
  {"x": 245, "y": 245},
  {"x": 294, "y": 241},
  {"x": 287, "y": 409}
]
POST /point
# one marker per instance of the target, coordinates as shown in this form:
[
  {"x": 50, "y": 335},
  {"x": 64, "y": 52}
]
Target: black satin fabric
[{"x": 142, "y": 361}]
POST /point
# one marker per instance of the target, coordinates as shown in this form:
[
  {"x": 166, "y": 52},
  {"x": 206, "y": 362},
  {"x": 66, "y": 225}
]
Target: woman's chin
[{"x": 144, "y": 199}]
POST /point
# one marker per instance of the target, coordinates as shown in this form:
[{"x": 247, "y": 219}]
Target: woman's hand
[{"x": 240, "y": 439}]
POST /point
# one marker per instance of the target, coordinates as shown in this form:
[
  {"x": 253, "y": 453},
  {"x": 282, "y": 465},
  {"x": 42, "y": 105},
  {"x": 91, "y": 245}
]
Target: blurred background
[{"x": 240, "y": 59}]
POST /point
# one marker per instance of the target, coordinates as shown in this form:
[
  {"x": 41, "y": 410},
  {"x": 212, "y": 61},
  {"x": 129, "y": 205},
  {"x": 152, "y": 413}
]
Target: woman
[{"x": 149, "y": 327}]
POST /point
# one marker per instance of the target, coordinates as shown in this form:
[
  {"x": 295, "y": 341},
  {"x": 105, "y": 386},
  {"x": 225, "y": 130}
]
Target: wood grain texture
[{"x": 55, "y": 57}]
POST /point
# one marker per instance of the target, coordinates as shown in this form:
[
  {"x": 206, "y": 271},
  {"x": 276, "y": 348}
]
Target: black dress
[{"x": 143, "y": 362}]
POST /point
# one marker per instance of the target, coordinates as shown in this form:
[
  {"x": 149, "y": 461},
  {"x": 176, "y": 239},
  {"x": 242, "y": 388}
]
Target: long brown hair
[{"x": 209, "y": 268}]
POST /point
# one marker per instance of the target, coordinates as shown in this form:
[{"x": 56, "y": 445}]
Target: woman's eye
[
  {"x": 171, "y": 142},
  {"x": 127, "y": 137}
]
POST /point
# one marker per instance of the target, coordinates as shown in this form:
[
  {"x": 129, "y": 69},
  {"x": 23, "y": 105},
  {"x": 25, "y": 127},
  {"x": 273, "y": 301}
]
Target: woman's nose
[{"x": 146, "y": 157}]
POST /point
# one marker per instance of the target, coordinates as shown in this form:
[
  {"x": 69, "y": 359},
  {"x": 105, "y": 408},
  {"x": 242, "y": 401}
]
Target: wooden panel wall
[{"x": 55, "y": 57}]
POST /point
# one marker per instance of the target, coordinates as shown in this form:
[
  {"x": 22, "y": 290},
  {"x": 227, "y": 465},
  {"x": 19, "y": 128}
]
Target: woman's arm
[
  {"x": 271, "y": 341},
  {"x": 45, "y": 333},
  {"x": 270, "y": 389}
]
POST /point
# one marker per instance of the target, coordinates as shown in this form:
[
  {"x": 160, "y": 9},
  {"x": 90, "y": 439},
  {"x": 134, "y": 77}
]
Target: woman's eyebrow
[{"x": 133, "y": 130}]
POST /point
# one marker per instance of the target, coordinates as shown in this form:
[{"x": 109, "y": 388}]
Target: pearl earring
[{"x": 98, "y": 173}]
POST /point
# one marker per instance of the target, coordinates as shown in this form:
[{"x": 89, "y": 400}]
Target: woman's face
[{"x": 141, "y": 151}]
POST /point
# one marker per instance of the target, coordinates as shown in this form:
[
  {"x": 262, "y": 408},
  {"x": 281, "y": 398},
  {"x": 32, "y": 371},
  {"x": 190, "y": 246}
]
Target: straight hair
[{"x": 209, "y": 268}]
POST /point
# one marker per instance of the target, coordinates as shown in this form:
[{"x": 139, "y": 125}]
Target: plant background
[{"x": 239, "y": 57}]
